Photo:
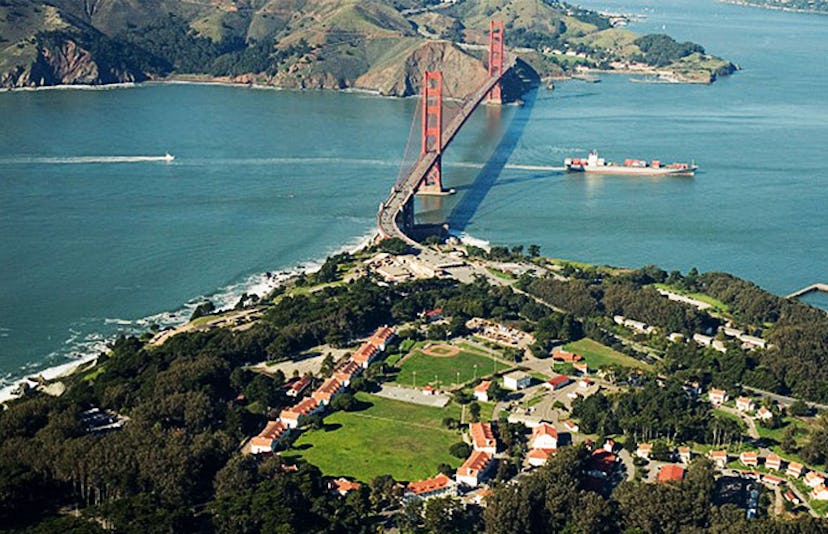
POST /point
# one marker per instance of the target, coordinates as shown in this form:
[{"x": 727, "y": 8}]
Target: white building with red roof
[
  {"x": 439, "y": 486},
  {"x": 483, "y": 438},
  {"x": 292, "y": 417},
  {"x": 474, "y": 469},
  {"x": 544, "y": 436},
  {"x": 268, "y": 438},
  {"x": 718, "y": 457},
  {"x": 581, "y": 367},
  {"x": 481, "y": 391},
  {"x": 557, "y": 382},
  {"x": 326, "y": 392},
  {"x": 365, "y": 354},
  {"x": 684, "y": 454},
  {"x": 538, "y": 457},
  {"x": 773, "y": 461},
  {"x": 571, "y": 426},
  {"x": 717, "y": 396},
  {"x": 749, "y": 458},
  {"x": 820, "y": 493},
  {"x": 745, "y": 404},
  {"x": 814, "y": 479},
  {"x": 381, "y": 337},
  {"x": 794, "y": 469},
  {"x": 298, "y": 386},
  {"x": 644, "y": 450},
  {"x": 764, "y": 414}
]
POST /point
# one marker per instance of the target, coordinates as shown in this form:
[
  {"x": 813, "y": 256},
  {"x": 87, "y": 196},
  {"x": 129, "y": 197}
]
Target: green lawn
[
  {"x": 444, "y": 371},
  {"x": 598, "y": 355},
  {"x": 404, "y": 440},
  {"x": 777, "y": 434}
]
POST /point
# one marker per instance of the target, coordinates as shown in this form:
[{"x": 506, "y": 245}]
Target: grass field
[
  {"x": 777, "y": 434},
  {"x": 598, "y": 355},
  {"x": 443, "y": 371},
  {"x": 404, "y": 440}
]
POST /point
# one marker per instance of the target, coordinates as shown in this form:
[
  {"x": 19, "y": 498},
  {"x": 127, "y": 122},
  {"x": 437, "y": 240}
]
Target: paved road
[{"x": 782, "y": 399}]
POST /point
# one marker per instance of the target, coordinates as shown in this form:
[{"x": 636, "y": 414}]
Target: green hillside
[{"x": 372, "y": 44}]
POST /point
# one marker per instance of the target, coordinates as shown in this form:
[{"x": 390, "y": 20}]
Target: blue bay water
[{"x": 267, "y": 180}]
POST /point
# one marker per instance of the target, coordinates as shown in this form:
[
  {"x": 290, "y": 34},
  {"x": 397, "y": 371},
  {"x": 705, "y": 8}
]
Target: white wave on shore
[
  {"x": 467, "y": 239},
  {"x": 80, "y": 350},
  {"x": 68, "y": 87}
]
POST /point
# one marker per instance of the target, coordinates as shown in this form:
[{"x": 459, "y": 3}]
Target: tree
[
  {"x": 393, "y": 245},
  {"x": 344, "y": 401},
  {"x": 205, "y": 308},
  {"x": 799, "y": 409},
  {"x": 327, "y": 366},
  {"x": 474, "y": 412},
  {"x": 534, "y": 250},
  {"x": 460, "y": 450},
  {"x": 788, "y": 442}
]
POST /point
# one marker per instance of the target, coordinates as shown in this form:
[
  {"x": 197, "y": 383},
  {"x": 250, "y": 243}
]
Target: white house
[
  {"x": 483, "y": 438},
  {"x": 439, "y": 486},
  {"x": 644, "y": 450},
  {"x": 267, "y": 439},
  {"x": 516, "y": 381},
  {"x": 544, "y": 436},
  {"x": 814, "y": 479},
  {"x": 474, "y": 469},
  {"x": 717, "y": 396},
  {"x": 745, "y": 404},
  {"x": 481, "y": 392}
]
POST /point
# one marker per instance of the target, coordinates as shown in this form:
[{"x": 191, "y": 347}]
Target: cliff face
[
  {"x": 66, "y": 62},
  {"x": 462, "y": 73}
]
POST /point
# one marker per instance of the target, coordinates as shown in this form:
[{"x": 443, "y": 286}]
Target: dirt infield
[{"x": 440, "y": 350}]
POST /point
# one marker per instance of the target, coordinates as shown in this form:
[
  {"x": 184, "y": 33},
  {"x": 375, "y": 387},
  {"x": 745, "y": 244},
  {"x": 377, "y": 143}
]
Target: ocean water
[{"x": 268, "y": 180}]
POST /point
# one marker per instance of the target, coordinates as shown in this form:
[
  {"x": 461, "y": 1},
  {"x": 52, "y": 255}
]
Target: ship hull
[{"x": 632, "y": 171}]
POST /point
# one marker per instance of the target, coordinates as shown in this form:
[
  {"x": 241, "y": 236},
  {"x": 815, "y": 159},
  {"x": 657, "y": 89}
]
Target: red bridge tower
[
  {"x": 432, "y": 183},
  {"x": 495, "y": 58}
]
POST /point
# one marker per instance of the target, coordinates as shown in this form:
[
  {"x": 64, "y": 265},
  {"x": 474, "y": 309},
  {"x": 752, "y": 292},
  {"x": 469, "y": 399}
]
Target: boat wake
[{"x": 85, "y": 160}]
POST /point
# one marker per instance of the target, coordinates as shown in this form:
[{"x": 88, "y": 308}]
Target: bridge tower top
[
  {"x": 495, "y": 58},
  {"x": 432, "y": 141}
]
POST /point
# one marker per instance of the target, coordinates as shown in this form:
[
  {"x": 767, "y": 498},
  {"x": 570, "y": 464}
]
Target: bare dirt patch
[{"x": 440, "y": 350}]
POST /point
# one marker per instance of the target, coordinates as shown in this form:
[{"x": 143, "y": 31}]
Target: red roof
[
  {"x": 566, "y": 356},
  {"x": 559, "y": 380},
  {"x": 365, "y": 352},
  {"x": 343, "y": 485},
  {"x": 540, "y": 454},
  {"x": 303, "y": 408},
  {"x": 482, "y": 436},
  {"x": 435, "y": 312},
  {"x": 382, "y": 335},
  {"x": 670, "y": 472},
  {"x": 483, "y": 386},
  {"x": 544, "y": 429},
  {"x": 300, "y": 384},
  {"x": 428, "y": 485},
  {"x": 475, "y": 463}
]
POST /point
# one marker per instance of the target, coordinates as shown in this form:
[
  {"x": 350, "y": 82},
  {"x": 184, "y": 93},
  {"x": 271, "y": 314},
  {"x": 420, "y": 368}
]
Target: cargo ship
[{"x": 634, "y": 167}]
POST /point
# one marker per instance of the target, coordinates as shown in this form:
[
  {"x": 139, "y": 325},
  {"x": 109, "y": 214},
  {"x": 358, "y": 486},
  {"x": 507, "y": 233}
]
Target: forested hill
[{"x": 380, "y": 45}]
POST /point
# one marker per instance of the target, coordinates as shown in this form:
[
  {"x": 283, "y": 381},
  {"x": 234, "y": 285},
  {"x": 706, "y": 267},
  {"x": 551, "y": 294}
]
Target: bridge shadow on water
[{"x": 476, "y": 192}]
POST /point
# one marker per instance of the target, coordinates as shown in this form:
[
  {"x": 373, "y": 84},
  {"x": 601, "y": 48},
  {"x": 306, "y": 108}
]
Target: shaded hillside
[{"x": 380, "y": 45}]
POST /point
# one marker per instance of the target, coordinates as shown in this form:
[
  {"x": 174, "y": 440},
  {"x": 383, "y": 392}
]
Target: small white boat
[{"x": 168, "y": 157}]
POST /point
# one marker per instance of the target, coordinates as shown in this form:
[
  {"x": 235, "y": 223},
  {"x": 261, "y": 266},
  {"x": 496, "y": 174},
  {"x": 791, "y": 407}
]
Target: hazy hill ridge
[{"x": 379, "y": 45}]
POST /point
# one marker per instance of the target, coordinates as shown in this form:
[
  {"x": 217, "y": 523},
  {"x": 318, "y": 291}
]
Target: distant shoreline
[{"x": 761, "y": 5}]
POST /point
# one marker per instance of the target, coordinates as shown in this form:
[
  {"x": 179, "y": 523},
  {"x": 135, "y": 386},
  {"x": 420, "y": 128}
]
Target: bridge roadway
[{"x": 403, "y": 193}]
